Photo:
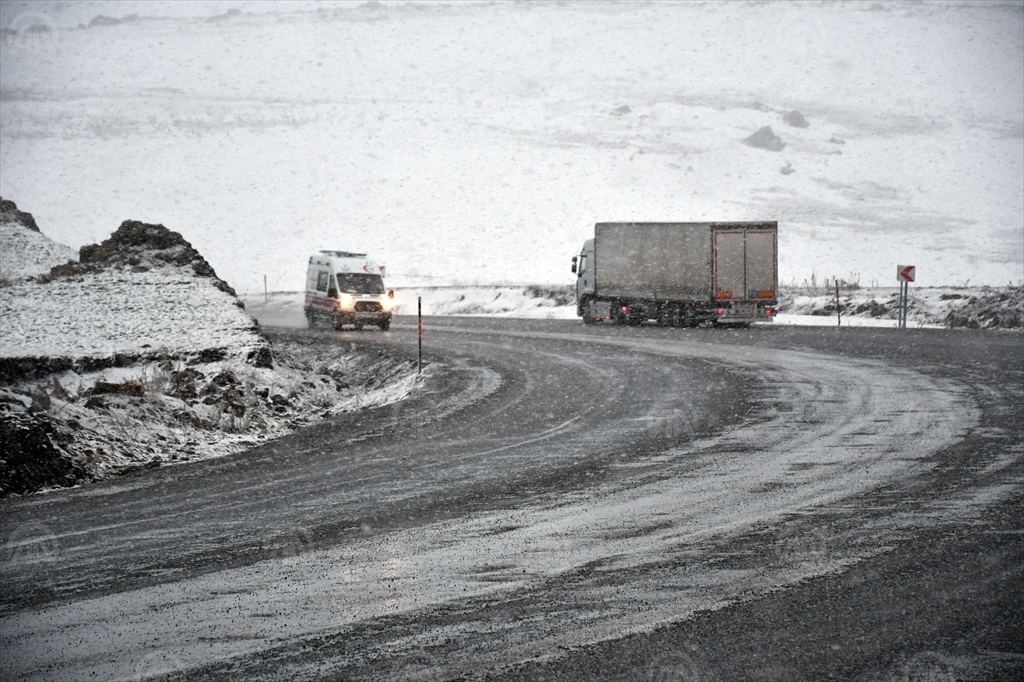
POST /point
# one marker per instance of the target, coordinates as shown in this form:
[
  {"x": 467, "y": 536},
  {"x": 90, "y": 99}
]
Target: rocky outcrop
[
  {"x": 9, "y": 213},
  {"x": 140, "y": 246},
  {"x": 32, "y": 452},
  {"x": 765, "y": 138}
]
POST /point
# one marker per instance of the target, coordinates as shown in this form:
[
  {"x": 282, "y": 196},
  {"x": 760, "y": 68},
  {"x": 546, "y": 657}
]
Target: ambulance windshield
[{"x": 358, "y": 283}]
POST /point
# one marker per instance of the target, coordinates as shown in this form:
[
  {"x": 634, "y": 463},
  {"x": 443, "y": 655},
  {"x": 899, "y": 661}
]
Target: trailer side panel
[{"x": 668, "y": 261}]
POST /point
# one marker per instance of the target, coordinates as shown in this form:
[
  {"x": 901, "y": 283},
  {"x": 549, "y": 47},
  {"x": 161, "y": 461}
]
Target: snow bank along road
[{"x": 558, "y": 501}]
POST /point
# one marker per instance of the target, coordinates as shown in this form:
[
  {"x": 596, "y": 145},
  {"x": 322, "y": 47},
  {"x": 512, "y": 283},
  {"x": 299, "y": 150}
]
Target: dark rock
[
  {"x": 795, "y": 119},
  {"x": 183, "y": 383},
  {"x": 225, "y": 378},
  {"x": 9, "y": 213},
  {"x": 95, "y": 403},
  {"x": 207, "y": 356},
  {"x": 960, "y": 321},
  {"x": 30, "y": 455},
  {"x": 13, "y": 370},
  {"x": 622, "y": 111},
  {"x": 872, "y": 308},
  {"x": 132, "y": 388},
  {"x": 765, "y": 138},
  {"x": 261, "y": 357},
  {"x": 40, "y": 401},
  {"x": 140, "y": 246}
]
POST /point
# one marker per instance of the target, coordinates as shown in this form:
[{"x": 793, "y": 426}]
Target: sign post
[
  {"x": 419, "y": 335},
  {"x": 839, "y": 311},
  {"x": 905, "y": 274}
]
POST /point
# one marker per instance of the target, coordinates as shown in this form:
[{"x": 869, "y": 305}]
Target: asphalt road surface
[{"x": 567, "y": 502}]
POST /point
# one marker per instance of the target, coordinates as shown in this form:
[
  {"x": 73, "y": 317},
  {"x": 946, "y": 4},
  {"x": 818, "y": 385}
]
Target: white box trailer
[{"x": 679, "y": 274}]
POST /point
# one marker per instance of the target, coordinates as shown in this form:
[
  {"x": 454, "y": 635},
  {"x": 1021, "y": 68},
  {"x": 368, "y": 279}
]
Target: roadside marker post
[
  {"x": 419, "y": 335},
  {"x": 905, "y": 274},
  {"x": 839, "y": 311}
]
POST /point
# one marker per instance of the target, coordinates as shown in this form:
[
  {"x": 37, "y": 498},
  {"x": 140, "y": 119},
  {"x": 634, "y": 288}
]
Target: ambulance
[{"x": 344, "y": 288}]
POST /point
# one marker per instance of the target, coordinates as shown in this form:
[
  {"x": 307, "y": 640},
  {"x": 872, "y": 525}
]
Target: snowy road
[{"x": 552, "y": 492}]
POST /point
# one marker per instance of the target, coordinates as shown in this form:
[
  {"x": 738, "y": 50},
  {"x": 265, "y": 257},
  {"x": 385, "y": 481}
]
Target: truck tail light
[
  {"x": 768, "y": 311},
  {"x": 721, "y": 311}
]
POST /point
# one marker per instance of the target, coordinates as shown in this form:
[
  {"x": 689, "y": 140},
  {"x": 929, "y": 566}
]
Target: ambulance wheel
[
  {"x": 358, "y": 326},
  {"x": 384, "y": 324},
  {"x": 337, "y": 323},
  {"x": 310, "y": 321}
]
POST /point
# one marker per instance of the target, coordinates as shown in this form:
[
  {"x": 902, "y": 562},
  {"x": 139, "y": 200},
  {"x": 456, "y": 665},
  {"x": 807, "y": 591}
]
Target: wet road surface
[{"x": 568, "y": 502}]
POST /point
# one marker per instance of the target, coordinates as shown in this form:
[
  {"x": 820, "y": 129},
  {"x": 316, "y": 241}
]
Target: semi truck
[{"x": 678, "y": 274}]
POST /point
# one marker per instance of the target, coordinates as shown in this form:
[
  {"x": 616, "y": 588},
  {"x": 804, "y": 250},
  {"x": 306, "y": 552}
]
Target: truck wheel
[
  {"x": 587, "y": 319},
  {"x": 384, "y": 325},
  {"x": 358, "y": 326}
]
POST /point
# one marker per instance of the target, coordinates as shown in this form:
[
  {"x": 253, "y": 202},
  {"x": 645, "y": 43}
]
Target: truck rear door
[
  {"x": 730, "y": 275},
  {"x": 745, "y": 264},
  {"x": 761, "y": 264}
]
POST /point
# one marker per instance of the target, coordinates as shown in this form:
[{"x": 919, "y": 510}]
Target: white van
[{"x": 346, "y": 288}]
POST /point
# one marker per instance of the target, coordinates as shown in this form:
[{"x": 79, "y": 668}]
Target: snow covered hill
[
  {"x": 478, "y": 143},
  {"x": 143, "y": 293},
  {"x": 136, "y": 354}
]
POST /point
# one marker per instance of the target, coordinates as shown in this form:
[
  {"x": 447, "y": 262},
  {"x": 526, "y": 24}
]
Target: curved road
[{"x": 561, "y": 502}]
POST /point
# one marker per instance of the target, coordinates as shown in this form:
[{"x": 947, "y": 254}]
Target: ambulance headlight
[
  {"x": 386, "y": 304},
  {"x": 345, "y": 300}
]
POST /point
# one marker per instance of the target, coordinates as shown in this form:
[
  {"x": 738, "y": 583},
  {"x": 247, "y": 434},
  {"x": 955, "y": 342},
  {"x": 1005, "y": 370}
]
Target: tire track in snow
[{"x": 831, "y": 428}]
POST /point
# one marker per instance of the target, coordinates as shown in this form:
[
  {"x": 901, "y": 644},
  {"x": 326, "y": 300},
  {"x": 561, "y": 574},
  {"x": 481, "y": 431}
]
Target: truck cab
[
  {"x": 583, "y": 266},
  {"x": 345, "y": 288}
]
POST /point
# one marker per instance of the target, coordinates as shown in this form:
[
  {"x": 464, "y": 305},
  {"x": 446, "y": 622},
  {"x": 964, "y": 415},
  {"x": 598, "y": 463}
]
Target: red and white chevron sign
[{"x": 905, "y": 273}]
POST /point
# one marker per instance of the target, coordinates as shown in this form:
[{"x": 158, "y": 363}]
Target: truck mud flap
[{"x": 600, "y": 309}]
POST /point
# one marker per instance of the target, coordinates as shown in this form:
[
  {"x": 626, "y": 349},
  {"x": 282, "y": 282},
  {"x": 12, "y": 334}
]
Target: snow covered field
[{"x": 477, "y": 143}]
